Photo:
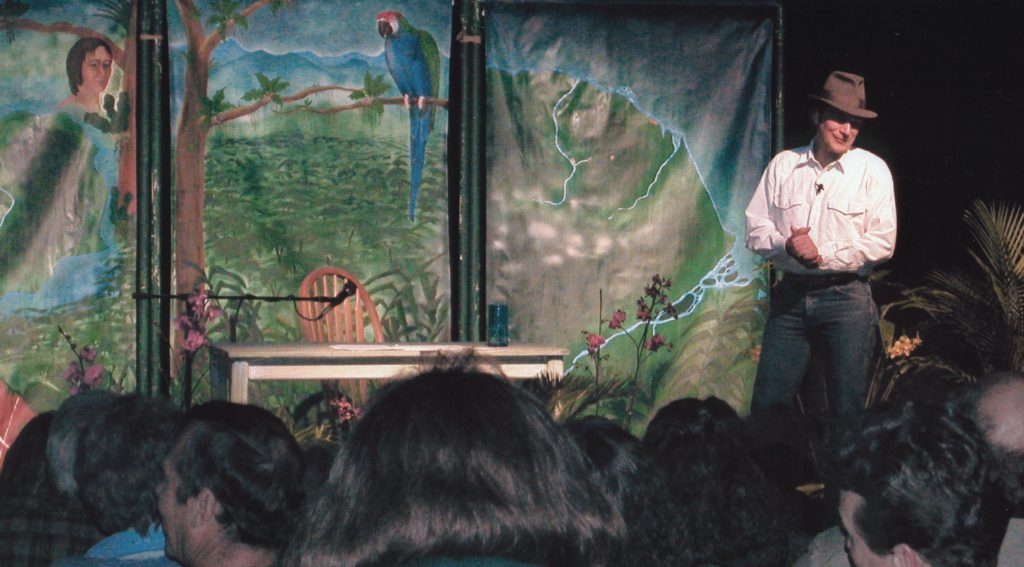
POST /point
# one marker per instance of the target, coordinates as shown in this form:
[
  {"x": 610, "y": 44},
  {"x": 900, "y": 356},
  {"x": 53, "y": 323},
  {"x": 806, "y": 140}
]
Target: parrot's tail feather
[{"x": 419, "y": 130}]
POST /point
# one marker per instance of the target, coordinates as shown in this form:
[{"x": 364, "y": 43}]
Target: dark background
[{"x": 947, "y": 80}]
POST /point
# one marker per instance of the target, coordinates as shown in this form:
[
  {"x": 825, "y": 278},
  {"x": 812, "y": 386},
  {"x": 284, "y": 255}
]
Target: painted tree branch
[
  {"x": 214, "y": 39},
  {"x": 363, "y": 103},
  {"x": 68, "y": 28},
  {"x": 240, "y": 111}
]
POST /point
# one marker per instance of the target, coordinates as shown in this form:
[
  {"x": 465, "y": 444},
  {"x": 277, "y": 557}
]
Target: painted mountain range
[{"x": 235, "y": 69}]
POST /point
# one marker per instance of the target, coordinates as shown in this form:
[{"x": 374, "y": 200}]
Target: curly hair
[
  {"x": 71, "y": 419},
  {"x": 458, "y": 463},
  {"x": 77, "y": 54},
  {"x": 249, "y": 461},
  {"x": 928, "y": 481},
  {"x": 629, "y": 476},
  {"x": 118, "y": 462},
  {"x": 718, "y": 507}
]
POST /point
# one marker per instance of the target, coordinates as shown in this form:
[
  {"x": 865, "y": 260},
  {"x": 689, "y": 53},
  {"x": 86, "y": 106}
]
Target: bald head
[
  {"x": 1001, "y": 409},
  {"x": 1000, "y": 412}
]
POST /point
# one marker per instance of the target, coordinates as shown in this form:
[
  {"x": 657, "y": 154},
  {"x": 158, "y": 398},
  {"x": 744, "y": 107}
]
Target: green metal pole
[
  {"x": 468, "y": 228},
  {"x": 152, "y": 276}
]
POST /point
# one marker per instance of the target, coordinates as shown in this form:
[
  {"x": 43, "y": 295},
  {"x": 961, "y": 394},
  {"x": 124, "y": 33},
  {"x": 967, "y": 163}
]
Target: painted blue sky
[
  {"x": 325, "y": 27},
  {"x": 334, "y": 27}
]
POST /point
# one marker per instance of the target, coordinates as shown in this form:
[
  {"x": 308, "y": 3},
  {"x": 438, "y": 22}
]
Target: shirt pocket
[
  {"x": 788, "y": 212},
  {"x": 845, "y": 219}
]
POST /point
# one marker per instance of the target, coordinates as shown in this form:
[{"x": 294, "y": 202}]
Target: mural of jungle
[
  {"x": 314, "y": 133},
  {"x": 304, "y": 135}
]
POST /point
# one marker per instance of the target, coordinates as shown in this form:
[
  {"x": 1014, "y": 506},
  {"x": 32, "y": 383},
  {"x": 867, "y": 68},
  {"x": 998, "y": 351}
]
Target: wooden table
[{"x": 233, "y": 366}]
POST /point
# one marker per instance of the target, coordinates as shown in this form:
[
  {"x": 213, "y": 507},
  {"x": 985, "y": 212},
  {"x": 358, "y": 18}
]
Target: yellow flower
[{"x": 903, "y": 346}]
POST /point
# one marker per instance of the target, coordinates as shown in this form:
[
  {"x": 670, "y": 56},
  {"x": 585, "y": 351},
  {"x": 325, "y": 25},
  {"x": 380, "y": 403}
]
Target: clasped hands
[{"x": 800, "y": 246}]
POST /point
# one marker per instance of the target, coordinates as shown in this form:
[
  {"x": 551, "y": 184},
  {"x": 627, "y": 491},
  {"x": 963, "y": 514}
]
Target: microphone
[
  {"x": 348, "y": 290},
  {"x": 818, "y": 188}
]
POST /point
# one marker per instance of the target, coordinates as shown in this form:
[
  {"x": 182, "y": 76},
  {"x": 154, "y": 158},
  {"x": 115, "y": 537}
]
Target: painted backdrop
[
  {"x": 625, "y": 141},
  {"x": 67, "y": 180},
  {"x": 293, "y": 150}
]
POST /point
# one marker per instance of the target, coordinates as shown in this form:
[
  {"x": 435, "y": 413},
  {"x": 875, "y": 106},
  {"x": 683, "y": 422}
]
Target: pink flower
[
  {"x": 213, "y": 312},
  {"x": 197, "y": 300},
  {"x": 643, "y": 312},
  {"x": 88, "y": 354},
  {"x": 617, "y": 318},
  {"x": 347, "y": 411},
  {"x": 93, "y": 375},
  {"x": 194, "y": 341},
  {"x": 73, "y": 390},
  {"x": 655, "y": 342},
  {"x": 73, "y": 373},
  {"x": 182, "y": 323},
  {"x": 594, "y": 343}
]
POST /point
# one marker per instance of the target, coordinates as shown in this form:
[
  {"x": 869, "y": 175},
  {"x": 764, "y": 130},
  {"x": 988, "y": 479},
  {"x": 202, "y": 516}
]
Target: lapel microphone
[{"x": 818, "y": 188}]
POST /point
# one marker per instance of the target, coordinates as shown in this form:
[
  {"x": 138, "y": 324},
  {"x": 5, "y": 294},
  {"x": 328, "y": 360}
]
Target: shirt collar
[{"x": 807, "y": 158}]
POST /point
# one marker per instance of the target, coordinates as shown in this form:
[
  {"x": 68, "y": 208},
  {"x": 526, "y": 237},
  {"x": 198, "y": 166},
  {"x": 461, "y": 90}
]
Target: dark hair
[
  {"x": 689, "y": 424},
  {"x": 317, "y": 457},
  {"x": 76, "y": 55},
  {"x": 458, "y": 463},
  {"x": 73, "y": 417},
  {"x": 24, "y": 469},
  {"x": 627, "y": 474},
  {"x": 926, "y": 477},
  {"x": 118, "y": 462},
  {"x": 718, "y": 507},
  {"x": 249, "y": 461},
  {"x": 612, "y": 452}
]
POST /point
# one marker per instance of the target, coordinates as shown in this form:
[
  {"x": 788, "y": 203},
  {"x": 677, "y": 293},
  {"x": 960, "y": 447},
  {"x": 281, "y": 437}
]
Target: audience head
[
  {"x": 317, "y": 458},
  {"x": 233, "y": 485},
  {"x": 917, "y": 488},
  {"x": 24, "y": 469},
  {"x": 458, "y": 463},
  {"x": 997, "y": 408},
  {"x": 689, "y": 425},
  {"x": 718, "y": 507},
  {"x": 75, "y": 416},
  {"x": 613, "y": 454},
  {"x": 118, "y": 467}
]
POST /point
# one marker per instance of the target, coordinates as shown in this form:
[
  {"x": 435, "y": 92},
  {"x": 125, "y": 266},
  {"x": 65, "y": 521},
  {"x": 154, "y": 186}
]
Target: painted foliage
[
  {"x": 625, "y": 141},
  {"x": 67, "y": 180},
  {"x": 294, "y": 150}
]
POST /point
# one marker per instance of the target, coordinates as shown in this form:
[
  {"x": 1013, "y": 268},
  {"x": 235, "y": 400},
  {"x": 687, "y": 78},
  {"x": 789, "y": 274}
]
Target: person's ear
[
  {"x": 203, "y": 507},
  {"x": 815, "y": 116},
  {"x": 904, "y": 556}
]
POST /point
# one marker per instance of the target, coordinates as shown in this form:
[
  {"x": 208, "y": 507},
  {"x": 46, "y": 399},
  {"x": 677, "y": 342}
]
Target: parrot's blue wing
[{"x": 415, "y": 74}]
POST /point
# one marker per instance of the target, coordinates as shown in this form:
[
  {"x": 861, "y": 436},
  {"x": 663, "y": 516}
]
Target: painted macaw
[{"x": 415, "y": 65}]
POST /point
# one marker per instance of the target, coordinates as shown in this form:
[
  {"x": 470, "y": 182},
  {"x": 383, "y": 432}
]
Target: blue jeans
[{"x": 837, "y": 322}]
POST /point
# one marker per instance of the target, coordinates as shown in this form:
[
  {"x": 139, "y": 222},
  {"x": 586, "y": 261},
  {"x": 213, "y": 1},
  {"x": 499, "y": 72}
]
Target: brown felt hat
[{"x": 845, "y": 91}]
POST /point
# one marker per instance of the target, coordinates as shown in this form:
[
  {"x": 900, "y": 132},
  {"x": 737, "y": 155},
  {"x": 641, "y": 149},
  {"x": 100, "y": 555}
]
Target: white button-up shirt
[{"x": 848, "y": 205}]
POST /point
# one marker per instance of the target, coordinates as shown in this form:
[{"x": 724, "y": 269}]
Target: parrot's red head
[{"x": 387, "y": 23}]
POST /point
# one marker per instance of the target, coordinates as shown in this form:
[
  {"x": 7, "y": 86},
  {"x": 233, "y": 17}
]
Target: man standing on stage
[{"x": 824, "y": 215}]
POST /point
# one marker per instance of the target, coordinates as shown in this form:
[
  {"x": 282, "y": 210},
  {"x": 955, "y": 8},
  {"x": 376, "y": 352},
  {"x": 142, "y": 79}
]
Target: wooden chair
[{"x": 347, "y": 322}]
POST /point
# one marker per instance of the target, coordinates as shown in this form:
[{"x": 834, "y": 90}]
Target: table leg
[{"x": 239, "y": 382}]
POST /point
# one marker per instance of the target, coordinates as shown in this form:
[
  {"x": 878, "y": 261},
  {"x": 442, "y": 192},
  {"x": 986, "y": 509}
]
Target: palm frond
[{"x": 569, "y": 396}]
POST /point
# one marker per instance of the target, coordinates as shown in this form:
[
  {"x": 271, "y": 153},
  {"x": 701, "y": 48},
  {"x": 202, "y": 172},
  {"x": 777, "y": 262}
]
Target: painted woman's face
[{"x": 96, "y": 70}]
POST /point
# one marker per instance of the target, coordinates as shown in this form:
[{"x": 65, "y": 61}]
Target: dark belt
[{"x": 821, "y": 282}]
